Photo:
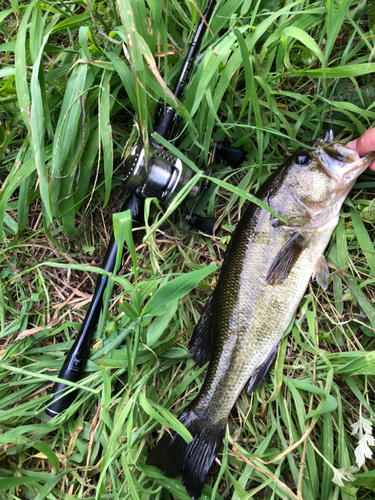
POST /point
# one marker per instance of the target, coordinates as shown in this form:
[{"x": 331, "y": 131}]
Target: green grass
[{"x": 272, "y": 76}]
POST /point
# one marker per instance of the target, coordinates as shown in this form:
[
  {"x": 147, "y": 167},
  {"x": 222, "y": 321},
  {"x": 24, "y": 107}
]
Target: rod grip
[{"x": 75, "y": 362}]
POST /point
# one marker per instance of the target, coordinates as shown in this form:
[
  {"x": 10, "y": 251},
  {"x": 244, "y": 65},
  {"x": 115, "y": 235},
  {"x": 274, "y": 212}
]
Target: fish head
[{"x": 318, "y": 180}]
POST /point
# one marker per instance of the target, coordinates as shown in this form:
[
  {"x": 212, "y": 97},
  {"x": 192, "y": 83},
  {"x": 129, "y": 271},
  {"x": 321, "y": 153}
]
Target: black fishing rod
[{"x": 161, "y": 175}]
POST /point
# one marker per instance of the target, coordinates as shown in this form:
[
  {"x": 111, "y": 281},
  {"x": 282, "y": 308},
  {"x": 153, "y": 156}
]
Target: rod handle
[{"x": 62, "y": 395}]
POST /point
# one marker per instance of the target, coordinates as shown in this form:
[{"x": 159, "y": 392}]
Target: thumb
[{"x": 364, "y": 144}]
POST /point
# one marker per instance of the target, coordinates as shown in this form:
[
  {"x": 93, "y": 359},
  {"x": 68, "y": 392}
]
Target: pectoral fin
[
  {"x": 200, "y": 345},
  {"x": 285, "y": 260},
  {"x": 261, "y": 372},
  {"x": 321, "y": 272}
]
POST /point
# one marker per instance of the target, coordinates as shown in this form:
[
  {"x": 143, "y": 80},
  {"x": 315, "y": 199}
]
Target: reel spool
[{"x": 162, "y": 176}]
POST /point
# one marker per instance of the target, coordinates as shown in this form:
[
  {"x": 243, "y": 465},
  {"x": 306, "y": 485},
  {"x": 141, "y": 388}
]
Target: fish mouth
[
  {"x": 340, "y": 162},
  {"x": 351, "y": 171},
  {"x": 343, "y": 164}
]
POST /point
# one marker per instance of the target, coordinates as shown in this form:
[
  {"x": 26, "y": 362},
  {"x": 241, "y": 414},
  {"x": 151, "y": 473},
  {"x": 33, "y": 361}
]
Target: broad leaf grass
[{"x": 76, "y": 93}]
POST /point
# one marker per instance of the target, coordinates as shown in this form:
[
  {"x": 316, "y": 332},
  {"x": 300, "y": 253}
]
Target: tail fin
[{"x": 174, "y": 457}]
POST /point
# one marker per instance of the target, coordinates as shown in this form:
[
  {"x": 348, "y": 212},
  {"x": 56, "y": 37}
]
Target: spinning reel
[{"x": 160, "y": 175}]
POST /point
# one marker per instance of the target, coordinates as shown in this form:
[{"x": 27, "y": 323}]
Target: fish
[{"x": 266, "y": 270}]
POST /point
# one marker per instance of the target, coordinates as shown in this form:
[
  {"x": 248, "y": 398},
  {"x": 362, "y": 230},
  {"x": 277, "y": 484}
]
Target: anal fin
[
  {"x": 262, "y": 371},
  {"x": 285, "y": 259},
  {"x": 200, "y": 345}
]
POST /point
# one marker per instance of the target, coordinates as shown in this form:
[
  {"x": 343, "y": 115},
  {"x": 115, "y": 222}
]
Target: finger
[
  {"x": 372, "y": 166},
  {"x": 352, "y": 145},
  {"x": 364, "y": 144}
]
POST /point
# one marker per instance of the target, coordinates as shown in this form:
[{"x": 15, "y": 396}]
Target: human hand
[{"x": 364, "y": 144}]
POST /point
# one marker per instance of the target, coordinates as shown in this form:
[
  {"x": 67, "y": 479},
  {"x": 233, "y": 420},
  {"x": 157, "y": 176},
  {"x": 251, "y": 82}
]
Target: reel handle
[
  {"x": 204, "y": 224},
  {"x": 233, "y": 156},
  {"x": 75, "y": 362}
]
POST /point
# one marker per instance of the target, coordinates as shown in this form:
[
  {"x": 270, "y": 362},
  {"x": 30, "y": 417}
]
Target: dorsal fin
[{"x": 201, "y": 342}]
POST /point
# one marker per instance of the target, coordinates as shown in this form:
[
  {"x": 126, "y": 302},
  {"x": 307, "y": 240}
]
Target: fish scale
[
  {"x": 257, "y": 315},
  {"x": 264, "y": 276}
]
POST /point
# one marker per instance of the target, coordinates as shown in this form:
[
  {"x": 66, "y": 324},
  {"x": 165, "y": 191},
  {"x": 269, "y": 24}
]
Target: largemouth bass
[{"x": 264, "y": 276}]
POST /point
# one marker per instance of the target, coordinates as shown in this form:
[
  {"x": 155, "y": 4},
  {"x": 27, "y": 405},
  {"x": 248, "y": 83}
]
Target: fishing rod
[{"x": 161, "y": 175}]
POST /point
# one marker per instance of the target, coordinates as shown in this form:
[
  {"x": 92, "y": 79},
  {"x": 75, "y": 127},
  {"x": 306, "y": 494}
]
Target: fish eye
[{"x": 303, "y": 159}]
